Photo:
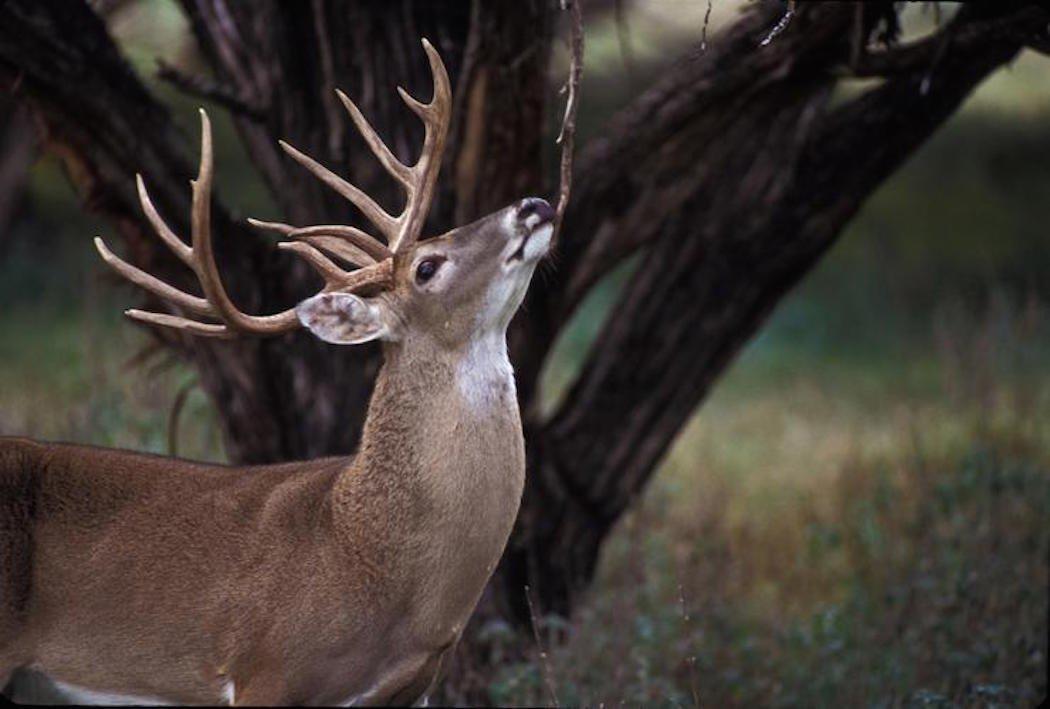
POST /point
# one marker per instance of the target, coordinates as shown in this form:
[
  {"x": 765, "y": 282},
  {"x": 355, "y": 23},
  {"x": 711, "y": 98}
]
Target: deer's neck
[{"x": 442, "y": 456}]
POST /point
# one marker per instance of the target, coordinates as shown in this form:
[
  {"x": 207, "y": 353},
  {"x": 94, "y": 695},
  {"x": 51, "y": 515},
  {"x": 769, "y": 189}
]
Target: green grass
[
  {"x": 76, "y": 380},
  {"x": 830, "y": 533},
  {"x": 860, "y": 513},
  {"x": 70, "y": 370}
]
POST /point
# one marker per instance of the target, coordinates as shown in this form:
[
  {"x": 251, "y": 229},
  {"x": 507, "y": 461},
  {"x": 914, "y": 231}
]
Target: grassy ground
[
  {"x": 830, "y": 533},
  {"x": 860, "y": 514}
]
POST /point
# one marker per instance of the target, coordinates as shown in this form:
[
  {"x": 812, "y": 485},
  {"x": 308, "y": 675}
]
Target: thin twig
[
  {"x": 143, "y": 356},
  {"x": 548, "y": 677},
  {"x": 707, "y": 21},
  {"x": 567, "y": 136},
  {"x": 690, "y": 659},
  {"x": 781, "y": 25},
  {"x": 466, "y": 73},
  {"x": 173, "y": 417},
  {"x": 942, "y": 48},
  {"x": 209, "y": 90},
  {"x": 335, "y": 119},
  {"x": 623, "y": 34},
  {"x": 859, "y": 40}
]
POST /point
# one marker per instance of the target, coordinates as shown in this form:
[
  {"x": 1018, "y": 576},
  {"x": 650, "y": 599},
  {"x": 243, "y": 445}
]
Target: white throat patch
[{"x": 484, "y": 376}]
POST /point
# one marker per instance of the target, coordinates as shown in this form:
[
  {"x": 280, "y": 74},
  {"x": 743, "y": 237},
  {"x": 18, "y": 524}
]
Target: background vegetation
[{"x": 860, "y": 514}]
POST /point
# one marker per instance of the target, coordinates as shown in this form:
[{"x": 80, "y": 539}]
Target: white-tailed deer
[{"x": 129, "y": 577}]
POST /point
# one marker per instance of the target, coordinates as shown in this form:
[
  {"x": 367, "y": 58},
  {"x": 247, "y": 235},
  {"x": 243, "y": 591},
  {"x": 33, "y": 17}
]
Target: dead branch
[{"x": 567, "y": 136}]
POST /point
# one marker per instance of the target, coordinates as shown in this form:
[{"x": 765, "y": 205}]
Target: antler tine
[
  {"x": 418, "y": 180},
  {"x": 321, "y": 263},
  {"x": 196, "y": 305},
  {"x": 354, "y": 236},
  {"x": 201, "y": 258},
  {"x": 177, "y": 245},
  {"x": 279, "y": 227},
  {"x": 339, "y": 248},
  {"x": 204, "y": 256},
  {"x": 435, "y": 116},
  {"x": 176, "y": 323},
  {"x": 347, "y": 242},
  {"x": 380, "y": 273},
  {"x": 353, "y": 245},
  {"x": 401, "y": 172},
  {"x": 386, "y": 224}
]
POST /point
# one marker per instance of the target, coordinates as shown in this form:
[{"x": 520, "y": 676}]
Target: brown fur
[{"x": 308, "y": 583}]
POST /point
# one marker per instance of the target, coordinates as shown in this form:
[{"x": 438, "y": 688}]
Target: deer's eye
[{"x": 426, "y": 269}]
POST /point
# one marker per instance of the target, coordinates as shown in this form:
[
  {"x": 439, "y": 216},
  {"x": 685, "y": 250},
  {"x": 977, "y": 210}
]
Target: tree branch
[
  {"x": 742, "y": 222},
  {"x": 567, "y": 135},
  {"x": 962, "y": 34},
  {"x": 209, "y": 90}
]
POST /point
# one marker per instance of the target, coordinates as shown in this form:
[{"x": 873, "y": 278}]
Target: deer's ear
[{"x": 344, "y": 318}]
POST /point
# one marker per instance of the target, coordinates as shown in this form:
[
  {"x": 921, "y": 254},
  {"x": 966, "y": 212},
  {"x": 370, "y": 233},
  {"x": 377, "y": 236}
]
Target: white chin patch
[
  {"x": 527, "y": 250},
  {"x": 539, "y": 242}
]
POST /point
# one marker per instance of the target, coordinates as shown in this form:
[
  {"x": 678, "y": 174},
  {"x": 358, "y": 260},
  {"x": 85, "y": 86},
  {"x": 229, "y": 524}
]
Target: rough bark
[
  {"x": 729, "y": 179},
  {"x": 18, "y": 150},
  {"x": 733, "y": 177}
]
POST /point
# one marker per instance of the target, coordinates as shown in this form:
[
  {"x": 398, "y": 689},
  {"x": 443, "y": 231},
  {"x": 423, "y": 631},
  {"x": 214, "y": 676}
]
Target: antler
[
  {"x": 418, "y": 180},
  {"x": 200, "y": 257},
  {"x": 374, "y": 259}
]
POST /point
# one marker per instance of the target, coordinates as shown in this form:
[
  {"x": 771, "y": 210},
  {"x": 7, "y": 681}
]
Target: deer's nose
[{"x": 534, "y": 211}]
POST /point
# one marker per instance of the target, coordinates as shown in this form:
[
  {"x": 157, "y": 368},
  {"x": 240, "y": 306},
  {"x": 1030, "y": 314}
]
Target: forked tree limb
[
  {"x": 615, "y": 167},
  {"x": 962, "y": 35}
]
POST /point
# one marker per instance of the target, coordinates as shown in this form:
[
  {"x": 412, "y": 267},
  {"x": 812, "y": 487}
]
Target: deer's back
[{"x": 106, "y": 546}]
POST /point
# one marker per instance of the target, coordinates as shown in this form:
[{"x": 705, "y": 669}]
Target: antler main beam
[
  {"x": 200, "y": 257},
  {"x": 373, "y": 258}
]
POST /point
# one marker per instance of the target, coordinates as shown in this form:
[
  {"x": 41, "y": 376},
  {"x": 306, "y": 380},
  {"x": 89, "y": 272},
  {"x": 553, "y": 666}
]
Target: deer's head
[{"x": 446, "y": 290}]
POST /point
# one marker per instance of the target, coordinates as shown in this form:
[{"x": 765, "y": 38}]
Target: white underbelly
[
  {"x": 37, "y": 686},
  {"x": 83, "y": 695}
]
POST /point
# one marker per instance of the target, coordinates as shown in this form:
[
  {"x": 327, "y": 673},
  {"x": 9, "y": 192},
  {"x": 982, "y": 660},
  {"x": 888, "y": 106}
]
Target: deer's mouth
[
  {"x": 519, "y": 253},
  {"x": 523, "y": 253},
  {"x": 535, "y": 219}
]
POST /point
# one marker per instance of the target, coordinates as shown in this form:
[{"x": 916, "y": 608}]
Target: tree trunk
[
  {"x": 18, "y": 150},
  {"x": 732, "y": 177},
  {"x": 729, "y": 179}
]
